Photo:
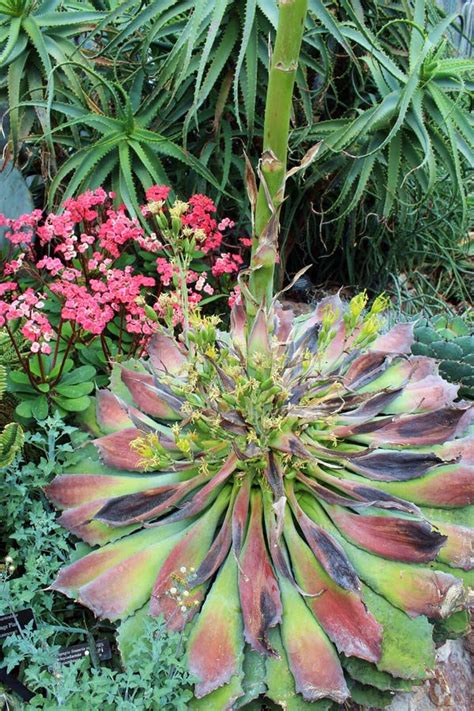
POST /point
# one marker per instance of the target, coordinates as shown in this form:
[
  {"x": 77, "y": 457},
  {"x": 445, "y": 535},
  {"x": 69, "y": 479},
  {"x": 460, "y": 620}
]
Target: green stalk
[{"x": 281, "y": 81}]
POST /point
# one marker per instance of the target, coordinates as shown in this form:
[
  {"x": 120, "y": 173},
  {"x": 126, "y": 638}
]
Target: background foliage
[{"x": 131, "y": 93}]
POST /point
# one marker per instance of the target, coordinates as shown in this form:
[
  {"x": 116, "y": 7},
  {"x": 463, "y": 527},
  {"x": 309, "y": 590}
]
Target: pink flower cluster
[
  {"x": 227, "y": 263},
  {"x": 28, "y": 306},
  {"x": 199, "y": 218},
  {"x": 22, "y": 228},
  {"x": 93, "y": 307},
  {"x": 169, "y": 271},
  {"x": 82, "y": 259}
]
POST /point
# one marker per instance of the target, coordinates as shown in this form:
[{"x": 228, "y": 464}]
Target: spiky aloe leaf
[{"x": 304, "y": 486}]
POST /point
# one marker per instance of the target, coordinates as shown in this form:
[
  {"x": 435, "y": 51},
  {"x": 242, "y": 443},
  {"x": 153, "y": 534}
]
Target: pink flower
[
  {"x": 80, "y": 208},
  {"x": 202, "y": 203},
  {"x": 199, "y": 218},
  {"x": 245, "y": 241},
  {"x": 51, "y": 264},
  {"x": 201, "y": 285},
  {"x": 225, "y": 224},
  {"x": 8, "y": 286},
  {"x": 235, "y": 297},
  {"x": 13, "y": 266},
  {"x": 227, "y": 264},
  {"x": 157, "y": 193},
  {"x": 56, "y": 226},
  {"x": 117, "y": 230},
  {"x": 20, "y": 237},
  {"x": 165, "y": 270},
  {"x": 150, "y": 242}
]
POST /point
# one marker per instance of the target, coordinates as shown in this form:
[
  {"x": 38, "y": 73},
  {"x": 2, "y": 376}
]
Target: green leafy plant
[
  {"x": 419, "y": 122},
  {"x": 36, "y": 545},
  {"x": 154, "y": 678},
  {"x": 60, "y": 386},
  {"x": 396, "y": 144},
  {"x": 31, "y": 537},
  {"x": 121, "y": 147},
  {"x": 451, "y": 342},
  {"x": 11, "y": 436}
]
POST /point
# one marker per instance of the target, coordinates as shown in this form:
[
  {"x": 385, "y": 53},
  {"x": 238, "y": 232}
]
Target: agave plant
[{"x": 294, "y": 493}]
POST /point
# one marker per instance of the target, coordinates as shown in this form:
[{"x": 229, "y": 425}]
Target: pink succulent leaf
[
  {"x": 259, "y": 591},
  {"x": 152, "y": 400},
  {"x": 180, "y": 567},
  {"x": 305, "y": 641},
  {"x": 215, "y": 647},
  {"x": 327, "y": 551},
  {"x": 398, "y": 340},
  {"x": 393, "y": 464},
  {"x": 116, "y": 451},
  {"x": 165, "y": 354},
  {"x": 112, "y": 414},
  {"x": 340, "y": 611},
  {"x": 389, "y": 536}
]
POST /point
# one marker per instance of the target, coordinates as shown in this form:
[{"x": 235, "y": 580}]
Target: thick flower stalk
[
  {"x": 299, "y": 502},
  {"x": 281, "y": 80}
]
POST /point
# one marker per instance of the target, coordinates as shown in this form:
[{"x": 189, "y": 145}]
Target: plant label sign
[
  {"x": 14, "y": 622},
  {"x": 77, "y": 651}
]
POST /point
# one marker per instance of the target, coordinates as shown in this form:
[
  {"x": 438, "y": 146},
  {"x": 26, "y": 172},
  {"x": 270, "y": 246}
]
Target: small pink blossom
[
  {"x": 235, "y": 297},
  {"x": 225, "y": 224},
  {"x": 227, "y": 264},
  {"x": 158, "y": 193}
]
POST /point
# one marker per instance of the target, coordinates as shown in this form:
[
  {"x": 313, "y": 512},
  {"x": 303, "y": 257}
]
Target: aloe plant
[
  {"x": 35, "y": 36},
  {"x": 295, "y": 492},
  {"x": 123, "y": 148},
  {"x": 414, "y": 120}
]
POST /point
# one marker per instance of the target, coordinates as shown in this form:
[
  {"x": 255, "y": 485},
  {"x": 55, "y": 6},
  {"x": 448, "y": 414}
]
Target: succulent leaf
[
  {"x": 215, "y": 647},
  {"x": 294, "y": 491},
  {"x": 452, "y": 343}
]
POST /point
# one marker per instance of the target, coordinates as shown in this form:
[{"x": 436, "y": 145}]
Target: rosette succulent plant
[
  {"x": 298, "y": 497},
  {"x": 293, "y": 493}
]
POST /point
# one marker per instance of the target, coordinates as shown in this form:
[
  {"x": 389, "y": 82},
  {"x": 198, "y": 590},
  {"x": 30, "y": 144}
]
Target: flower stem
[{"x": 281, "y": 81}]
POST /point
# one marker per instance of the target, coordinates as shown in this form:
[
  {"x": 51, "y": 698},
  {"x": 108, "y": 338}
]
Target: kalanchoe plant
[{"x": 78, "y": 286}]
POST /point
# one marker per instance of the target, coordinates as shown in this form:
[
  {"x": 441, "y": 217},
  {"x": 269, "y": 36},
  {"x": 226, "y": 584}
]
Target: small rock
[{"x": 450, "y": 688}]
